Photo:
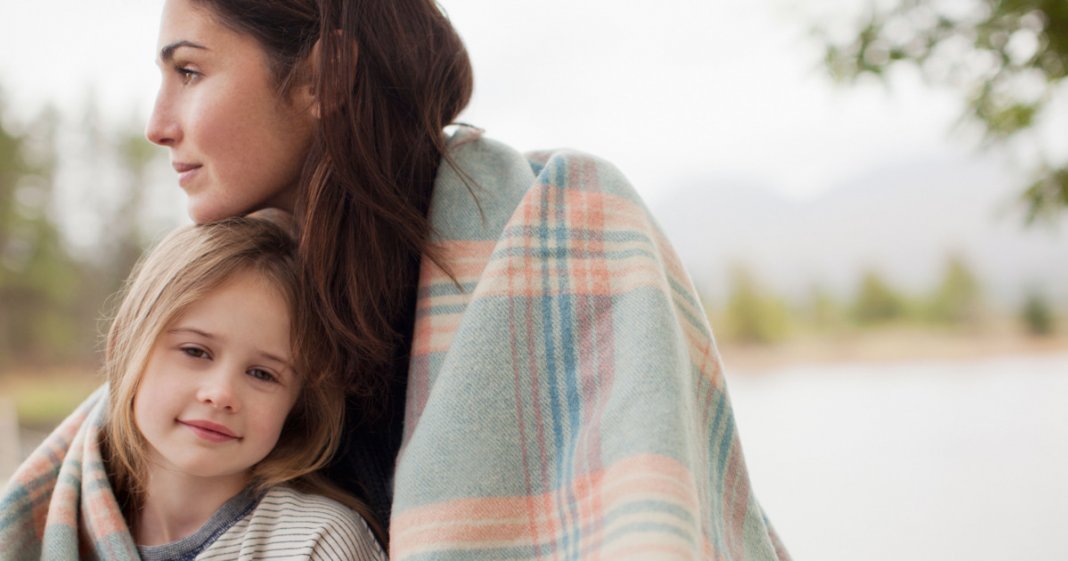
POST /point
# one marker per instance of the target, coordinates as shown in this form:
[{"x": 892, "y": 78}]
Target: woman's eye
[
  {"x": 187, "y": 74},
  {"x": 195, "y": 352},
  {"x": 262, "y": 375}
]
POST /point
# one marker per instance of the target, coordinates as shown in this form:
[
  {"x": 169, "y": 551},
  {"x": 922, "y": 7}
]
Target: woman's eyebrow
[{"x": 167, "y": 53}]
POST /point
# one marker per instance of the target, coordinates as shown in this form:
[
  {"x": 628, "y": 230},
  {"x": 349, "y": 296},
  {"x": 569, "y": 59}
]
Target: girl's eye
[
  {"x": 262, "y": 375},
  {"x": 195, "y": 352}
]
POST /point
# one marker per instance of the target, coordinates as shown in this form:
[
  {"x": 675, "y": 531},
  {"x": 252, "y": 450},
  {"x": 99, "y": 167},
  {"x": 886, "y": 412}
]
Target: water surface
[{"x": 912, "y": 461}]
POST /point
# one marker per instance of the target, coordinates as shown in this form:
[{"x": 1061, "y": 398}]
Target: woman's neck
[{"x": 176, "y": 504}]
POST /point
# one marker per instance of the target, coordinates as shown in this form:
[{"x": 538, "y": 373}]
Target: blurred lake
[{"x": 911, "y": 460}]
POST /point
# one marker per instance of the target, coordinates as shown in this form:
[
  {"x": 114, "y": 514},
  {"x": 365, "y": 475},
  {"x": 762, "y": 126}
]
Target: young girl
[{"x": 213, "y": 425}]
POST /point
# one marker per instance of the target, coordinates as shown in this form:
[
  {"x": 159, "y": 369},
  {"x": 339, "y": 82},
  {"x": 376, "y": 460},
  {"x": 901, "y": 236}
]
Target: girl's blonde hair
[{"x": 184, "y": 267}]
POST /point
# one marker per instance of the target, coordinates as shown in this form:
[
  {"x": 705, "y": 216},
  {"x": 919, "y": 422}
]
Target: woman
[{"x": 531, "y": 375}]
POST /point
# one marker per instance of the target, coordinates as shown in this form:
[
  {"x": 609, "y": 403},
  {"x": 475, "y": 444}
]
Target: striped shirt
[{"x": 283, "y": 525}]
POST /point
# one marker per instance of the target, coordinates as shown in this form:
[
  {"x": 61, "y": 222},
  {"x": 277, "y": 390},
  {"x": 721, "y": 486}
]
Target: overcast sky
[{"x": 676, "y": 92}]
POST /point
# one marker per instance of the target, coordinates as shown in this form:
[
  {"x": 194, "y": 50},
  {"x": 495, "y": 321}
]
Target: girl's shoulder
[{"x": 290, "y": 524}]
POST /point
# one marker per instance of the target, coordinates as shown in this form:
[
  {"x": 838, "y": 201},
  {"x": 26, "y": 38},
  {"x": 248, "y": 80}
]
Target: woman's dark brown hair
[{"x": 388, "y": 76}]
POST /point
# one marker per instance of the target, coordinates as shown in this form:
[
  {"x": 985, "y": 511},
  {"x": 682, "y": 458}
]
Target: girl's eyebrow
[
  {"x": 276, "y": 359},
  {"x": 166, "y": 54},
  {"x": 192, "y": 330}
]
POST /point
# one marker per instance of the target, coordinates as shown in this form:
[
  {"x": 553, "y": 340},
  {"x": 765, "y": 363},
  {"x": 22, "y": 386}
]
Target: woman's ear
[
  {"x": 340, "y": 65},
  {"x": 305, "y": 93}
]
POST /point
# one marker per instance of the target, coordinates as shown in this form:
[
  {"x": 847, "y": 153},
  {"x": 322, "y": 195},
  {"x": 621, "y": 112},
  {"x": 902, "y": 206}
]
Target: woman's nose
[{"x": 162, "y": 127}]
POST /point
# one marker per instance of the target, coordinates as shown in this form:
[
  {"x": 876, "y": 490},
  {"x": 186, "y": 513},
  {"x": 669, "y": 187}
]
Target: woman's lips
[
  {"x": 210, "y": 431},
  {"x": 186, "y": 172}
]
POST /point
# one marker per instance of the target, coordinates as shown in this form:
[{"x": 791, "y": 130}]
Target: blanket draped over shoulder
[
  {"x": 59, "y": 505},
  {"x": 565, "y": 398}
]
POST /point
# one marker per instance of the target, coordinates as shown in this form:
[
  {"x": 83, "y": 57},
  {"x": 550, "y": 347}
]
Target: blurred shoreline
[
  {"x": 45, "y": 395},
  {"x": 889, "y": 345}
]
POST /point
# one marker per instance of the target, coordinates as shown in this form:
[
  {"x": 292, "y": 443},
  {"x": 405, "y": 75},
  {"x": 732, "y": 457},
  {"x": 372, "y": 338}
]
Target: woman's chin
[
  {"x": 201, "y": 213},
  {"x": 217, "y": 202},
  {"x": 197, "y": 215}
]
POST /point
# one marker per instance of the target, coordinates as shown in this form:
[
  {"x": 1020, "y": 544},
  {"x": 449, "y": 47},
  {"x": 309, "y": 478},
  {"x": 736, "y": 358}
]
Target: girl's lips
[{"x": 210, "y": 431}]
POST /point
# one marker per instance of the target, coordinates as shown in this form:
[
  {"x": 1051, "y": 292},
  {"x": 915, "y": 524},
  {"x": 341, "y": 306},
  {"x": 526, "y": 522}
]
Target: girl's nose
[
  {"x": 218, "y": 391},
  {"x": 162, "y": 127}
]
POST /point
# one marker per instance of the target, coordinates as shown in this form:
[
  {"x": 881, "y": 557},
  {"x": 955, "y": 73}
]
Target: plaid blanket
[
  {"x": 565, "y": 401},
  {"x": 565, "y": 398},
  {"x": 58, "y": 505}
]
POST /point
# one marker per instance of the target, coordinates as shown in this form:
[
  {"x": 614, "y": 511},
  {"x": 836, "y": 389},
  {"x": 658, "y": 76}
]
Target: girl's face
[
  {"x": 219, "y": 384},
  {"x": 236, "y": 145}
]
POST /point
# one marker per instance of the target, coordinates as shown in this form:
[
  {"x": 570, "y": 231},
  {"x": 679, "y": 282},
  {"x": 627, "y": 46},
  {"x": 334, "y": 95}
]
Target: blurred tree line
[
  {"x": 752, "y": 314},
  {"x": 52, "y": 290},
  {"x": 1007, "y": 58}
]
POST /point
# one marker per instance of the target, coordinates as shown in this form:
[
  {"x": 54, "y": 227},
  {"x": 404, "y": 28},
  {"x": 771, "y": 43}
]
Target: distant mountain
[{"x": 902, "y": 221}]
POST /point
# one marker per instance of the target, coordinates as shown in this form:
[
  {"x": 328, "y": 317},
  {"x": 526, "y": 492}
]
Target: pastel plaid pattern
[
  {"x": 59, "y": 505},
  {"x": 565, "y": 399}
]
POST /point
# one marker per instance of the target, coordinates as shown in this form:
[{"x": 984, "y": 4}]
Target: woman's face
[{"x": 236, "y": 144}]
